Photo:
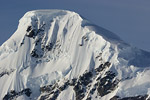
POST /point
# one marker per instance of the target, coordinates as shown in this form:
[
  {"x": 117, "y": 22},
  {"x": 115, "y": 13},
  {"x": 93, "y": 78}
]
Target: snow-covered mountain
[{"x": 58, "y": 55}]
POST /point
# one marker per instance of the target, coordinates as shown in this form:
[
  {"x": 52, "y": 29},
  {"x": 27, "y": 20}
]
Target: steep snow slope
[{"x": 57, "y": 54}]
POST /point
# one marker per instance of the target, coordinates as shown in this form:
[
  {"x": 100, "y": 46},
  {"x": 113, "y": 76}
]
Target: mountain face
[{"x": 58, "y": 55}]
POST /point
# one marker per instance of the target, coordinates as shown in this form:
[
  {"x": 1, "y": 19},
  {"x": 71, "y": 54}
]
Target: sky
[{"x": 129, "y": 19}]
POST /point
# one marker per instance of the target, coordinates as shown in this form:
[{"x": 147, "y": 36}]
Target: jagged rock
[
  {"x": 6, "y": 72},
  {"x": 93, "y": 90},
  {"x": 82, "y": 84},
  {"x": 31, "y": 33},
  {"x": 13, "y": 94},
  {"x": 34, "y": 53},
  {"x": 29, "y": 28},
  {"x": 115, "y": 98},
  {"x": 44, "y": 97},
  {"x": 89, "y": 98},
  {"x": 85, "y": 79},
  {"x": 80, "y": 44},
  {"x": 49, "y": 47},
  {"x": 106, "y": 84},
  {"x": 139, "y": 97},
  {"x": 79, "y": 90},
  {"x": 100, "y": 68},
  {"x": 107, "y": 64},
  {"x": 55, "y": 95},
  {"x": 46, "y": 88},
  {"x": 73, "y": 82},
  {"x": 66, "y": 84},
  {"x": 27, "y": 92}
]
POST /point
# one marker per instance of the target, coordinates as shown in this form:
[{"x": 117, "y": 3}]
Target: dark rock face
[
  {"x": 37, "y": 33},
  {"x": 106, "y": 84},
  {"x": 104, "y": 81},
  {"x": 52, "y": 91},
  {"x": 49, "y": 47},
  {"x": 6, "y": 72},
  {"x": 13, "y": 94},
  {"x": 29, "y": 28},
  {"x": 140, "y": 97},
  {"x": 40, "y": 48},
  {"x": 82, "y": 86},
  {"x": 34, "y": 54},
  {"x": 32, "y": 31},
  {"x": 31, "y": 34}
]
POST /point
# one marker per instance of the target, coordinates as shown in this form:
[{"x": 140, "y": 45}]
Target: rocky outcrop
[
  {"x": 140, "y": 97},
  {"x": 13, "y": 94},
  {"x": 6, "y": 72},
  {"x": 82, "y": 86}
]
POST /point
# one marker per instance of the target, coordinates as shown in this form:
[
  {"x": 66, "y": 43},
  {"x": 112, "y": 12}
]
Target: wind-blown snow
[{"x": 67, "y": 45}]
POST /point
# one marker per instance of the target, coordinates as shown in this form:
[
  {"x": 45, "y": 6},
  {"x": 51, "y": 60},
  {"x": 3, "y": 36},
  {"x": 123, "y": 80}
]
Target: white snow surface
[{"x": 77, "y": 43}]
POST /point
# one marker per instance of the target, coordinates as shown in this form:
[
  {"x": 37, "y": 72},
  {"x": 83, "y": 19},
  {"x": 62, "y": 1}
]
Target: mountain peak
[
  {"x": 56, "y": 52},
  {"x": 47, "y": 14}
]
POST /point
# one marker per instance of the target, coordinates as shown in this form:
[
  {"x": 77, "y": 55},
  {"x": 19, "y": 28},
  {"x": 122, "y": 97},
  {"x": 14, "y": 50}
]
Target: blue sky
[{"x": 129, "y": 19}]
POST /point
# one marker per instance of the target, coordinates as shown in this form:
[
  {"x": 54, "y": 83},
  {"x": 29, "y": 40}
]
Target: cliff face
[{"x": 56, "y": 54}]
